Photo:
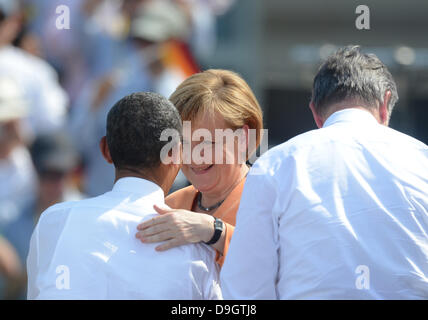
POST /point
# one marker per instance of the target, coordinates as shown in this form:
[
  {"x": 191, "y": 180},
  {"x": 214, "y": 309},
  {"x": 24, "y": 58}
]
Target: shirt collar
[
  {"x": 350, "y": 115},
  {"x": 139, "y": 186}
]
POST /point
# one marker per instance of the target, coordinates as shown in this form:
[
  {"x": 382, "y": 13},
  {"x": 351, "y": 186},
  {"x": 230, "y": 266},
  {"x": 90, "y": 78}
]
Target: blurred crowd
[{"x": 57, "y": 85}]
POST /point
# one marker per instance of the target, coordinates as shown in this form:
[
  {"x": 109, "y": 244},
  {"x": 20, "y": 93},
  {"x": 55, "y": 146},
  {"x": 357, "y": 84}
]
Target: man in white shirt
[
  {"x": 47, "y": 101},
  {"x": 87, "y": 249},
  {"x": 340, "y": 212}
]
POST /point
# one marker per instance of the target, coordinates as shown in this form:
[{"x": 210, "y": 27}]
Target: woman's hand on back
[{"x": 177, "y": 227}]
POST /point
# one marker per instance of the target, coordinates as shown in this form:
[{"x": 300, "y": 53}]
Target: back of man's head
[
  {"x": 351, "y": 75},
  {"x": 134, "y": 128}
]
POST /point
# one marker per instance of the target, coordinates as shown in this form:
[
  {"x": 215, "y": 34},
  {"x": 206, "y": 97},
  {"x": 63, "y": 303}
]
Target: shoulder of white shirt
[
  {"x": 288, "y": 149},
  {"x": 67, "y": 205}
]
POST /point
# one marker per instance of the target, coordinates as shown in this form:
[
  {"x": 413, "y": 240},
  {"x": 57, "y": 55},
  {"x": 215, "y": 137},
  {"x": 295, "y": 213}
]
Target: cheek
[
  {"x": 230, "y": 154},
  {"x": 205, "y": 181},
  {"x": 186, "y": 170}
]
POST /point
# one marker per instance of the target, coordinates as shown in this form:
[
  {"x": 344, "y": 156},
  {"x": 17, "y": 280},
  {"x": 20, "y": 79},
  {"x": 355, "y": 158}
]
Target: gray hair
[{"x": 351, "y": 74}]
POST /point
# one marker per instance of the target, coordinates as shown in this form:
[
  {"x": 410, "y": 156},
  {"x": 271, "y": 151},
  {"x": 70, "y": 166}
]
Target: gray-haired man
[{"x": 340, "y": 212}]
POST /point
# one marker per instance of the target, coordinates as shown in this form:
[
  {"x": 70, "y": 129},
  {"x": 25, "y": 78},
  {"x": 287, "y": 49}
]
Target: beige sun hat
[
  {"x": 12, "y": 102},
  {"x": 159, "y": 21},
  {"x": 9, "y": 7}
]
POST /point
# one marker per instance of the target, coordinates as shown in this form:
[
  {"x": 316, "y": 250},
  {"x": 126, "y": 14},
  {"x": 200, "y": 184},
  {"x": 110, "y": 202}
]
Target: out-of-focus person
[
  {"x": 9, "y": 261},
  {"x": 28, "y": 41},
  {"x": 340, "y": 212},
  {"x": 17, "y": 174},
  {"x": 140, "y": 67},
  {"x": 55, "y": 159},
  {"x": 17, "y": 181},
  {"x": 47, "y": 101},
  {"x": 155, "y": 25},
  {"x": 94, "y": 238},
  {"x": 64, "y": 49},
  {"x": 160, "y": 31},
  {"x": 11, "y": 271},
  {"x": 206, "y": 211},
  {"x": 203, "y": 17}
]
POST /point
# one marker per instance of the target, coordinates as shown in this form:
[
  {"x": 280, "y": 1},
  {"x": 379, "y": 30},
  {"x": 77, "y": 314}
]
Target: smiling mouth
[{"x": 202, "y": 170}]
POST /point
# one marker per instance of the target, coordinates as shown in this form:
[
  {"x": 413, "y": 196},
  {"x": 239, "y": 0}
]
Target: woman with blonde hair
[{"x": 212, "y": 101}]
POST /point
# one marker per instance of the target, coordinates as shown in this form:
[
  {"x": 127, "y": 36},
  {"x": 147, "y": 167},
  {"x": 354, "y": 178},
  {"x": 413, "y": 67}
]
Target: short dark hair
[
  {"x": 351, "y": 74},
  {"x": 134, "y": 127}
]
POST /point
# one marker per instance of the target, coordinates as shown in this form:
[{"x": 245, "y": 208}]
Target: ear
[
  {"x": 105, "y": 150},
  {"x": 383, "y": 108},
  {"x": 169, "y": 171},
  {"x": 318, "y": 120},
  {"x": 243, "y": 144},
  {"x": 177, "y": 155},
  {"x": 245, "y": 135},
  {"x": 174, "y": 156},
  {"x": 246, "y": 131}
]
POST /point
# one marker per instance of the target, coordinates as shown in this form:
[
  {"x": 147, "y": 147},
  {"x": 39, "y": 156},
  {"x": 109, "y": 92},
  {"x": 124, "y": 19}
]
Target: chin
[
  {"x": 203, "y": 182},
  {"x": 203, "y": 187}
]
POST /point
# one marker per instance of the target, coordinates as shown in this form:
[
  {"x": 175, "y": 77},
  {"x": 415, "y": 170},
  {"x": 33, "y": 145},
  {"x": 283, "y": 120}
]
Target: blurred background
[{"x": 58, "y": 82}]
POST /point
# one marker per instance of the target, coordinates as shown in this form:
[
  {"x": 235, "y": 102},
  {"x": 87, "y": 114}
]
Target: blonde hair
[{"x": 219, "y": 91}]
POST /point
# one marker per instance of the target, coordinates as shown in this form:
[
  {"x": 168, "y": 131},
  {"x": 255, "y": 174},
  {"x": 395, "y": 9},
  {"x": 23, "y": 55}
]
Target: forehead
[{"x": 209, "y": 121}]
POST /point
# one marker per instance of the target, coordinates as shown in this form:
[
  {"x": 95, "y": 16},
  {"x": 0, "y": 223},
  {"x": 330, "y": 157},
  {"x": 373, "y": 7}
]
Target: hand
[{"x": 177, "y": 227}]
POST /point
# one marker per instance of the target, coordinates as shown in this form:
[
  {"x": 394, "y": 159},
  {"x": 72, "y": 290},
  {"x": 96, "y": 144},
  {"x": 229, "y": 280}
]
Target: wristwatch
[{"x": 218, "y": 229}]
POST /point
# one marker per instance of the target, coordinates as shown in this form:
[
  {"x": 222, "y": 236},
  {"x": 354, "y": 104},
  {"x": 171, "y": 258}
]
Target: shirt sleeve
[{"x": 251, "y": 265}]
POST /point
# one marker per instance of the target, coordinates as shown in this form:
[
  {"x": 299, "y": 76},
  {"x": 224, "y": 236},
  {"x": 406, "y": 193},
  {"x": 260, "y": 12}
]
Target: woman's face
[{"x": 211, "y": 164}]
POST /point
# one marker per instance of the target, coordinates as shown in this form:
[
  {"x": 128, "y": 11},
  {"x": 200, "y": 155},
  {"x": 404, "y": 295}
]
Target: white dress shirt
[
  {"x": 87, "y": 250},
  {"x": 335, "y": 213}
]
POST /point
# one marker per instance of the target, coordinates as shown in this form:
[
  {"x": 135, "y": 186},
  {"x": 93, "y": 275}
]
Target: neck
[
  {"x": 210, "y": 199},
  {"x": 142, "y": 174},
  {"x": 343, "y": 106}
]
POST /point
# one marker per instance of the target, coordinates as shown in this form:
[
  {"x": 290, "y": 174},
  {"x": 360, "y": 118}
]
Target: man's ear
[
  {"x": 383, "y": 108},
  {"x": 176, "y": 154},
  {"x": 318, "y": 120},
  {"x": 105, "y": 150}
]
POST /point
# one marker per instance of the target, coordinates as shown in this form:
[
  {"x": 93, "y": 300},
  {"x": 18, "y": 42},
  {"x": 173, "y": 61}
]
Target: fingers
[
  {"x": 161, "y": 236},
  {"x": 152, "y": 222},
  {"x": 162, "y": 210},
  {"x": 156, "y": 220},
  {"x": 170, "y": 244},
  {"x": 152, "y": 230},
  {"x": 171, "y": 240}
]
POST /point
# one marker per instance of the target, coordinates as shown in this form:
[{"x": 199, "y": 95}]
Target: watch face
[{"x": 218, "y": 224}]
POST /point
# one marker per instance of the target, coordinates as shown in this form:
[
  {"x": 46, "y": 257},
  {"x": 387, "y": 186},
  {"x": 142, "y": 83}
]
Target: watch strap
[{"x": 218, "y": 229}]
